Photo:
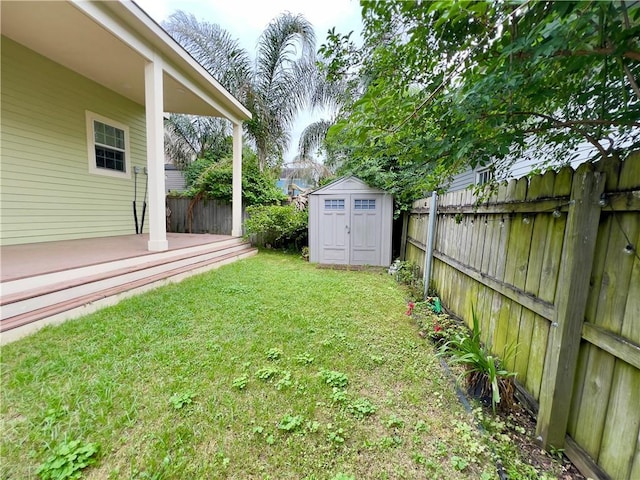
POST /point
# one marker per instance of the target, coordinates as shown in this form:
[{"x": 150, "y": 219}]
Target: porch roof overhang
[{"x": 110, "y": 43}]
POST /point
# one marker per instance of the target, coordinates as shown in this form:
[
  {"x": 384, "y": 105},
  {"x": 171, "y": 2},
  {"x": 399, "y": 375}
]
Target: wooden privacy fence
[
  {"x": 551, "y": 265},
  {"x": 206, "y": 216}
]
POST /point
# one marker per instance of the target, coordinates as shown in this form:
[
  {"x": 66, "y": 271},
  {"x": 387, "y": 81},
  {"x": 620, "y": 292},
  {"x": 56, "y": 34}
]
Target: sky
[{"x": 246, "y": 19}]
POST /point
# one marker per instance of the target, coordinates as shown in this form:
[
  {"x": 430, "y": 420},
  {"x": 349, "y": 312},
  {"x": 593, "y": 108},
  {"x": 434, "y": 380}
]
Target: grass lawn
[{"x": 267, "y": 368}]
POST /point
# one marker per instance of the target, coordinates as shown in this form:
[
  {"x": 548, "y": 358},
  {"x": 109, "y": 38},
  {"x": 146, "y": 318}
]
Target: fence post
[
  {"x": 428, "y": 254},
  {"x": 405, "y": 232},
  {"x": 570, "y": 304}
]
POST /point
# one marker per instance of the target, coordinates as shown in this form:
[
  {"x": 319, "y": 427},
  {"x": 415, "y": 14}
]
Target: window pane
[
  {"x": 110, "y": 159},
  {"x": 334, "y": 204},
  {"x": 98, "y": 132},
  {"x": 119, "y": 139},
  {"x": 100, "y": 157},
  {"x": 108, "y": 135},
  {"x": 484, "y": 177},
  {"x": 361, "y": 204}
]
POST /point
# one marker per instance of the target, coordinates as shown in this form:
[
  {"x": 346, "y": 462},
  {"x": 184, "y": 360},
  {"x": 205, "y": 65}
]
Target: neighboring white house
[
  {"x": 174, "y": 179},
  {"x": 350, "y": 223},
  {"x": 484, "y": 174},
  {"x": 85, "y": 85}
]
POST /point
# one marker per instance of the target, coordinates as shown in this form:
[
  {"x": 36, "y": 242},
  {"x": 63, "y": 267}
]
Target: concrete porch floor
[{"x": 23, "y": 261}]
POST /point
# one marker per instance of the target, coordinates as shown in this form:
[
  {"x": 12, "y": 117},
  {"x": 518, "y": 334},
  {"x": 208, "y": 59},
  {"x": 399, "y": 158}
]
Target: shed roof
[{"x": 349, "y": 183}]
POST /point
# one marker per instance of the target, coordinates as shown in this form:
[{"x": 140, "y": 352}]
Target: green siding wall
[{"x": 46, "y": 190}]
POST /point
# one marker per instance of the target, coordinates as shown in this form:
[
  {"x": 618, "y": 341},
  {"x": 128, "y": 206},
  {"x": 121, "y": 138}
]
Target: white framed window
[
  {"x": 108, "y": 146},
  {"x": 334, "y": 204},
  {"x": 364, "y": 204},
  {"x": 484, "y": 176}
]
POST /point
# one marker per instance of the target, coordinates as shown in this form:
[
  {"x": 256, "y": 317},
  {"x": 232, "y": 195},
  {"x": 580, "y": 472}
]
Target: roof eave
[{"x": 141, "y": 22}]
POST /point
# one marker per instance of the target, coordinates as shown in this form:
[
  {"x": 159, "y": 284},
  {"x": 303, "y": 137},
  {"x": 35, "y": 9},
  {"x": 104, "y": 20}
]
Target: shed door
[
  {"x": 334, "y": 229},
  {"x": 350, "y": 229},
  {"x": 365, "y": 230}
]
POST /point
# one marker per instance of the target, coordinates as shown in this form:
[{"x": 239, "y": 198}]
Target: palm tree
[
  {"x": 187, "y": 137},
  {"x": 335, "y": 94},
  {"x": 214, "y": 48},
  {"x": 274, "y": 88}
]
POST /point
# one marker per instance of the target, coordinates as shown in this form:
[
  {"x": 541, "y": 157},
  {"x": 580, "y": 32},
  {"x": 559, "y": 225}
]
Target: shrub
[
  {"x": 277, "y": 225},
  {"x": 212, "y": 178},
  {"x": 193, "y": 171}
]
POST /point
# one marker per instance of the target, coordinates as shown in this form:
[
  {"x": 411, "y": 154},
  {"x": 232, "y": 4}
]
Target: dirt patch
[{"x": 558, "y": 465}]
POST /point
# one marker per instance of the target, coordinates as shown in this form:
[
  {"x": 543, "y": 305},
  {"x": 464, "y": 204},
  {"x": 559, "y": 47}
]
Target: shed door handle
[{"x": 348, "y": 229}]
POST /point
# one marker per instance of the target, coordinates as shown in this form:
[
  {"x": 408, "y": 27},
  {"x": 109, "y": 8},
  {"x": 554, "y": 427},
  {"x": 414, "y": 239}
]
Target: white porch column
[
  {"x": 236, "y": 223},
  {"x": 154, "y": 106}
]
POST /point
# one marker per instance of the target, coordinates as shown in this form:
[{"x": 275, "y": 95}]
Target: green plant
[
  {"x": 266, "y": 373},
  {"x": 274, "y": 84},
  {"x": 277, "y": 225},
  {"x": 68, "y": 460},
  {"x": 558, "y": 453},
  {"x": 334, "y": 379},
  {"x": 194, "y": 170},
  {"x": 304, "y": 358},
  {"x": 52, "y": 416},
  {"x": 421, "y": 427},
  {"x": 339, "y": 396},
  {"x": 459, "y": 463},
  {"x": 518, "y": 86},
  {"x": 335, "y": 436},
  {"x": 395, "y": 422},
  {"x": 291, "y": 423},
  {"x": 240, "y": 382},
  {"x": 284, "y": 381},
  {"x": 377, "y": 359},
  {"x": 419, "y": 458},
  {"x": 180, "y": 400},
  {"x": 360, "y": 408},
  {"x": 274, "y": 354},
  {"x": 408, "y": 273},
  {"x": 390, "y": 442},
  {"x": 483, "y": 371},
  {"x": 312, "y": 427}
]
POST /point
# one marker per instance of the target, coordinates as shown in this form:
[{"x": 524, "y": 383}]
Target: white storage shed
[{"x": 350, "y": 223}]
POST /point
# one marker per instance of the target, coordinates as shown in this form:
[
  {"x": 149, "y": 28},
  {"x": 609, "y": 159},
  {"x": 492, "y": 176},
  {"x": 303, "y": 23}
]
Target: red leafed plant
[{"x": 410, "y": 307}]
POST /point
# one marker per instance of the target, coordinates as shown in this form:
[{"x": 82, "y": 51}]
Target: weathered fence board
[
  {"x": 619, "y": 439},
  {"x": 551, "y": 273},
  {"x": 590, "y": 401},
  {"x": 203, "y": 216},
  {"x": 573, "y": 283}
]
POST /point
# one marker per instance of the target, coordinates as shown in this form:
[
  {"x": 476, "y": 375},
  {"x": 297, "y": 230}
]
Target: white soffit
[{"x": 64, "y": 33}]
